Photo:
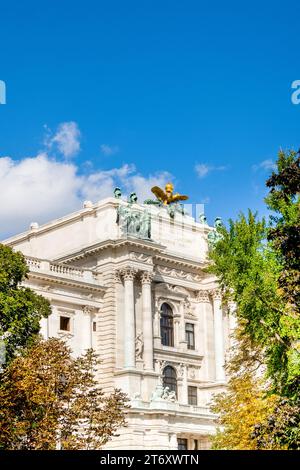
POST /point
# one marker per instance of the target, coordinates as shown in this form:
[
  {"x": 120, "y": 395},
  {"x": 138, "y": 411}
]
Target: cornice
[
  {"x": 177, "y": 260},
  {"x": 89, "y": 250},
  {"x": 65, "y": 220},
  {"x": 192, "y": 358},
  {"x": 66, "y": 282}
]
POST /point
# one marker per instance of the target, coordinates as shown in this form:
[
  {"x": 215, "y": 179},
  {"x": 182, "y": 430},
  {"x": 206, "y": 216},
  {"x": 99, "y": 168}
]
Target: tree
[
  {"x": 258, "y": 267},
  {"x": 284, "y": 238},
  {"x": 248, "y": 273},
  {"x": 240, "y": 409},
  {"x": 21, "y": 309},
  {"x": 50, "y": 400}
]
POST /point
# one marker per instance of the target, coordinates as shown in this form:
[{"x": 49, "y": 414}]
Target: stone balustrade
[
  {"x": 173, "y": 406},
  {"x": 62, "y": 270}
]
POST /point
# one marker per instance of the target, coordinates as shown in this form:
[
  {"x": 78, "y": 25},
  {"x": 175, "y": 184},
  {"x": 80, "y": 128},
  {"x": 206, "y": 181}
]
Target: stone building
[{"x": 128, "y": 280}]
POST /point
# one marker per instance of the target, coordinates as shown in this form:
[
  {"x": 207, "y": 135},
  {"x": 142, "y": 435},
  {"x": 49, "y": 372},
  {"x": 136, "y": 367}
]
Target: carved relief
[
  {"x": 145, "y": 259},
  {"x": 203, "y": 296},
  {"x": 117, "y": 277},
  {"x": 189, "y": 308},
  {"x": 178, "y": 273},
  {"x": 163, "y": 394},
  {"x": 146, "y": 277},
  {"x": 87, "y": 310},
  {"x": 216, "y": 294},
  {"x": 192, "y": 373},
  {"x": 180, "y": 370},
  {"x": 128, "y": 273}
]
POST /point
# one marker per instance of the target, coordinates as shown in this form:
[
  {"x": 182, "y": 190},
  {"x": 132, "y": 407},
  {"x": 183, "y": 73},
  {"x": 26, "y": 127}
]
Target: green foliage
[
  {"x": 281, "y": 429},
  {"x": 284, "y": 233},
  {"x": 258, "y": 267},
  {"x": 21, "y": 309},
  {"x": 248, "y": 273}
]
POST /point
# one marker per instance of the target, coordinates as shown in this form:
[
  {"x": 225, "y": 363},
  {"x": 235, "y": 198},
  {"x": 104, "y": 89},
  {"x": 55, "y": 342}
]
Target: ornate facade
[{"x": 128, "y": 281}]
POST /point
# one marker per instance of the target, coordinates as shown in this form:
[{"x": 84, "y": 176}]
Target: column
[
  {"x": 232, "y": 323},
  {"x": 184, "y": 391},
  {"x": 176, "y": 323},
  {"x": 146, "y": 279},
  {"x": 86, "y": 325},
  {"x": 44, "y": 328},
  {"x": 182, "y": 341},
  {"x": 218, "y": 336},
  {"x": 206, "y": 337},
  {"x": 129, "y": 329}
]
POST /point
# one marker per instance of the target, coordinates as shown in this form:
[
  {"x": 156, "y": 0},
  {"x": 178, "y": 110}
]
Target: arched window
[
  {"x": 166, "y": 325},
  {"x": 169, "y": 379}
]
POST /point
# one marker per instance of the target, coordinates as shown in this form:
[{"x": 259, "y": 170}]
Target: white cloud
[
  {"x": 267, "y": 165},
  {"x": 109, "y": 150},
  {"x": 41, "y": 188},
  {"x": 202, "y": 169},
  {"x": 67, "y": 139}
]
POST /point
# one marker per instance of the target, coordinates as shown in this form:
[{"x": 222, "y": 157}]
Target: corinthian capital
[
  {"x": 146, "y": 277},
  {"x": 87, "y": 310},
  {"x": 117, "y": 277},
  {"x": 128, "y": 273},
  {"x": 216, "y": 294},
  {"x": 203, "y": 296}
]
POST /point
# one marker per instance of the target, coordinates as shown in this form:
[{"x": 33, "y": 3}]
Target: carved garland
[{"x": 178, "y": 274}]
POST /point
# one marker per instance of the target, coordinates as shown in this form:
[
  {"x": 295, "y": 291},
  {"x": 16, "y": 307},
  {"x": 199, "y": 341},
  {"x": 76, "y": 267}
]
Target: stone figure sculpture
[
  {"x": 117, "y": 193},
  {"x": 133, "y": 199},
  {"x": 133, "y": 222},
  {"x": 214, "y": 236},
  {"x": 163, "y": 394},
  {"x": 202, "y": 219},
  {"x": 139, "y": 345}
]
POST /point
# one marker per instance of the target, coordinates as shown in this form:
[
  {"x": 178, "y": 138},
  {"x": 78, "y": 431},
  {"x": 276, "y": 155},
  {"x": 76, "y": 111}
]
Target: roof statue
[
  {"x": 203, "y": 219},
  {"x": 167, "y": 196},
  {"x": 215, "y": 235},
  {"x": 117, "y": 193},
  {"x": 167, "y": 199},
  {"x": 133, "y": 222}
]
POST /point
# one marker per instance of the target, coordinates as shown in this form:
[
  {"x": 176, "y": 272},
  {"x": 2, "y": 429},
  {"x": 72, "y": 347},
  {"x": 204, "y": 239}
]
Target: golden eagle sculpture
[{"x": 167, "y": 197}]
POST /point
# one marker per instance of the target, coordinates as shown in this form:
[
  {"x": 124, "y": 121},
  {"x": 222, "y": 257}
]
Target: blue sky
[{"x": 128, "y": 92}]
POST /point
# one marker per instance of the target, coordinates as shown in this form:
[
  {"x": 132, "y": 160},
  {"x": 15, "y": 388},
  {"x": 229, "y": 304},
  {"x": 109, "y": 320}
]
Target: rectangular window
[
  {"x": 192, "y": 395},
  {"x": 190, "y": 335},
  {"x": 64, "y": 323},
  {"x": 94, "y": 326},
  {"x": 182, "y": 444}
]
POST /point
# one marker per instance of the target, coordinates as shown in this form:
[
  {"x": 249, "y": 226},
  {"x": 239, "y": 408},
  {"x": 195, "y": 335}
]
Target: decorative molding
[
  {"x": 87, "y": 310},
  {"x": 146, "y": 277},
  {"x": 188, "y": 308},
  {"x": 177, "y": 273},
  {"x": 117, "y": 277},
  {"x": 128, "y": 273},
  {"x": 180, "y": 370},
  {"x": 203, "y": 296},
  {"x": 78, "y": 284},
  {"x": 191, "y": 372},
  {"x": 160, "y": 365},
  {"x": 141, "y": 258},
  {"x": 216, "y": 294},
  {"x": 65, "y": 335}
]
